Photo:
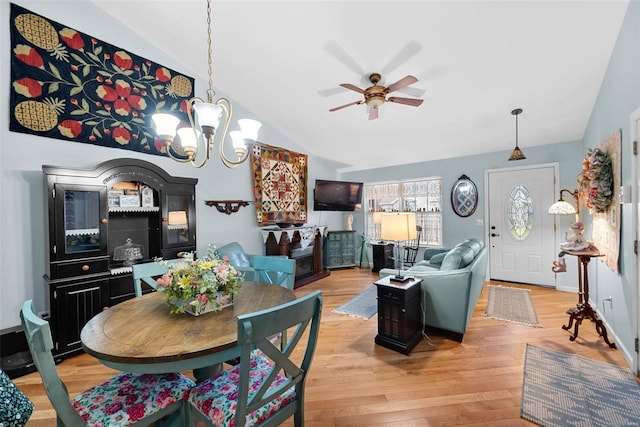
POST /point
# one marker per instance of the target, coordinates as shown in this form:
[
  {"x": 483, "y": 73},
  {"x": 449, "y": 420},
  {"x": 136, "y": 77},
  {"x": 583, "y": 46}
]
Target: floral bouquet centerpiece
[{"x": 198, "y": 286}]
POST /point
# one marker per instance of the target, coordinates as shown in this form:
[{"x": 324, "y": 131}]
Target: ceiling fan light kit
[
  {"x": 375, "y": 96},
  {"x": 517, "y": 153}
]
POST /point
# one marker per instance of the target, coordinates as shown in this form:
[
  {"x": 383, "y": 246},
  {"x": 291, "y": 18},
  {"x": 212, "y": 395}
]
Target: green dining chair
[
  {"x": 126, "y": 399},
  {"x": 274, "y": 270},
  {"x": 146, "y": 272},
  {"x": 267, "y": 387}
]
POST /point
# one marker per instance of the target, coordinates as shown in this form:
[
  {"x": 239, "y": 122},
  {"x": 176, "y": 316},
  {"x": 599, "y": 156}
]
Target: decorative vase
[{"x": 195, "y": 307}]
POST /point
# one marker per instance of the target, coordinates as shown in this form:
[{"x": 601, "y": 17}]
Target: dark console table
[
  {"x": 583, "y": 309},
  {"x": 382, "y": 256},
  {"x": 399, "y": 319}
]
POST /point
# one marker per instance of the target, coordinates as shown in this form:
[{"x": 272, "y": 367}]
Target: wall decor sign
[
  {"x": 68, "y": 85},
  {"x": 601, "y": 170},
  {"x": 280, "y": 184}
]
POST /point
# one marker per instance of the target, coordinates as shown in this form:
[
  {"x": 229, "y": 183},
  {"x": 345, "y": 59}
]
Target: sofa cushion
[
  {"x": 235, "y": 253},
  {"x": 475, "y": 245},
  {"x": 458, "y": 257}
]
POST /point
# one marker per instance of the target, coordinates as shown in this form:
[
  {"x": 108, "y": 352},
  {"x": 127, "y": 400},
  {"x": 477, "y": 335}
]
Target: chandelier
[{"x": 197, "y": 142}]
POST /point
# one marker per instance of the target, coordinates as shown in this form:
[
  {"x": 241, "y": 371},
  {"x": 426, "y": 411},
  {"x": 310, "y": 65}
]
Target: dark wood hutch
[{"x": 93, "y": 217}]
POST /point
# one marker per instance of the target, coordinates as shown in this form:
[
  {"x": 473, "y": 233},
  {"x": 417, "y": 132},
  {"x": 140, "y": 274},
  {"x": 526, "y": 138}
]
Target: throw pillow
[
  {"x": 437, "y": 258},
  {"x": 16, "y": 408}
]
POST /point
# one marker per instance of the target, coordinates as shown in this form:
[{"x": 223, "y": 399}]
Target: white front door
[{"x": 521, "y": 231}]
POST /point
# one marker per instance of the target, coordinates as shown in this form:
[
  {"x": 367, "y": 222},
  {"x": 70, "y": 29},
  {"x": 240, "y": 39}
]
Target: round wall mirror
[{"x": 464, "y": 196}]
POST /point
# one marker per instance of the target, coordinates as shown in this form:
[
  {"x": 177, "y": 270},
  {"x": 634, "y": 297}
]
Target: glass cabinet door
[
  {"x": 178, "y": 220},
  {"x": 80, "y": 221}
]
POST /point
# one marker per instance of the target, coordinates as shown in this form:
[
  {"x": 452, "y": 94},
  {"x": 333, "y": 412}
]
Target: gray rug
[
  {"x": 560, "y": 390},
  {"x": 364, "y": 305},
  {"x": 512, "y": 305}
]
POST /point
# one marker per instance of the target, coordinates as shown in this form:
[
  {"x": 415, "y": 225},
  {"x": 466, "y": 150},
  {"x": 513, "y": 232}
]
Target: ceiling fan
[{"x": 375, "y": 95}]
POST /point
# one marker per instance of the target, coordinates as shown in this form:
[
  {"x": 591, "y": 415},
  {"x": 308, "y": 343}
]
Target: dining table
[{"x": 140, "y": 335}]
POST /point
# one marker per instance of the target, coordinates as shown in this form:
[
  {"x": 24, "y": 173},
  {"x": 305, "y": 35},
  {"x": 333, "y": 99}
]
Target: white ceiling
[{"x": 475, "y": 62}]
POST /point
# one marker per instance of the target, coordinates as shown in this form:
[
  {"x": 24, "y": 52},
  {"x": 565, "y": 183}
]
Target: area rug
[
  {"x": 364, "y": 305},
  {"x": 562, "y": 390},
  {"x": 511, "y": 305}
]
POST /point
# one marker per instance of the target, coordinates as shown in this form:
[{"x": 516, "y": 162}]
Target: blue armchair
[
  {"x": 451, "y": 284},
  {"x": 238, "y": 258}
]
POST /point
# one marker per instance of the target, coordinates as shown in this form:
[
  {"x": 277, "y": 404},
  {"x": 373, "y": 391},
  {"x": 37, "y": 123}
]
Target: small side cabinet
[
  {"x": 399, "y": 315},
  {"x": 340, "y": 249}
]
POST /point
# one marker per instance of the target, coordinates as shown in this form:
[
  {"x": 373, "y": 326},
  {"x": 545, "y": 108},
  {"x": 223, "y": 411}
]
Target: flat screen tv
[{"x": 337, "y": 196}]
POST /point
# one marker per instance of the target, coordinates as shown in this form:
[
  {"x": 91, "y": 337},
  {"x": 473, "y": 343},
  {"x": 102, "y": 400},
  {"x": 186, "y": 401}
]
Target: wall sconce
[
  {"x": 574, "y": 239},
  {"x": 227, "y": 206},
  {"x": 398, "y": 227}
]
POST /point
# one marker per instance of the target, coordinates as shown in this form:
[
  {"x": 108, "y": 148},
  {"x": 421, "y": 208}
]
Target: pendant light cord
[{"x": 210, "y": 92}]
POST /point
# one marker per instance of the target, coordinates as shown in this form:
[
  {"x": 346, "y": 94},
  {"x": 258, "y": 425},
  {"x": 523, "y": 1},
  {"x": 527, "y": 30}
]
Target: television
[{"x": 337, "y": 196}]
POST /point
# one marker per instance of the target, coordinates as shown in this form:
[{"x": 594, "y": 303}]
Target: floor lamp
[{"x": 398, "y": 227}]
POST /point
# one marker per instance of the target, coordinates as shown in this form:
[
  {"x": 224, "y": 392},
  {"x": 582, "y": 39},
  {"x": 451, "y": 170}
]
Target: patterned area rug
[
  {"x": 364, "y": 305},
  {"x": 511, "y": 305},
  {"x": 562, "y": 390}
]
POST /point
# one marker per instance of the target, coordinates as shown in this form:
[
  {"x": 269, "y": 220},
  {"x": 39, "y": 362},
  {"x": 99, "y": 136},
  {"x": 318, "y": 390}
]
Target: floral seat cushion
[
  {"x": 127, "y": 397},
  {"x": 15, "y": 407},
  {"x": 216, "y": 397}
]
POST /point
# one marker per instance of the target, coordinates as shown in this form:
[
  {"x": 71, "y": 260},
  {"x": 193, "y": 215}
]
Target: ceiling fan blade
[
  {"x": 341, "y": 55},
  {"x": 410, "y": 49},
  {"x": 346, "y": 105},
  {"x": 373, "y": 113},
  {"x": 406, "y": 101},
  {"x": 352, "y": 87},
  {"x": 403, "y": 82}
]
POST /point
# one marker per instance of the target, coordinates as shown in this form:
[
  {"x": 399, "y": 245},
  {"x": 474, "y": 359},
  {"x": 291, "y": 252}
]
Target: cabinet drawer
[
  {"x": 79, "y": 268},
  {"x": 392, "y": 295}
]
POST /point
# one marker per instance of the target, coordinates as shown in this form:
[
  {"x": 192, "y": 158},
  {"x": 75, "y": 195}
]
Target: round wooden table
[{"x": 140, "y": 335}]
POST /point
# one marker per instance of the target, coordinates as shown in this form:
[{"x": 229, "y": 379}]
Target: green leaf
[
  {"x": 78, "y": 112},
  {"x": 126, "y": 125},
  {"x": 85, "y": 105},
  {"x": 91, "y": 122},
  {"x": 75, "y": 90},
  {"x": 98, "y": 50},
  {"x": 104, "y": 73},
  {"x": 96, "y": 132},
  {"x": 76, "y": 79},
  {"x": 127, "y": 72},
  {"x": 55, "y": 71},
  {"x": 138, "y": 120},
  {"x": 78, "y": 58},
  {"x": 160, "y": 105},
  {"x": 115, "y": 124},
  {"x": 86, "y": 70},
  {"x": 103, "y": 113},
  {"x": 93, "y": 56},
  {"x": 138, "y": 85},
  {"x": 53, "y": 87}
]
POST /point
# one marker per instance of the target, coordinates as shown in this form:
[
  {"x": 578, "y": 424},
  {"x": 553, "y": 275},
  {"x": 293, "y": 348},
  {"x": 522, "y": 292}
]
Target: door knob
[{"x": 494, "y": 235}]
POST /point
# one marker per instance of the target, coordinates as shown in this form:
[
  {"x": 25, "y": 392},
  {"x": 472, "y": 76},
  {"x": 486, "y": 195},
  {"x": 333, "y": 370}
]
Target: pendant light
[{"x": 517, "y": 152}]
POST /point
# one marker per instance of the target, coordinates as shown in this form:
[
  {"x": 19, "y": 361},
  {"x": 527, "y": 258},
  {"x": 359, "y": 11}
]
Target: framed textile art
[
  {"x": 68, "y": 85},
  {"x": 280, "y": 184}
]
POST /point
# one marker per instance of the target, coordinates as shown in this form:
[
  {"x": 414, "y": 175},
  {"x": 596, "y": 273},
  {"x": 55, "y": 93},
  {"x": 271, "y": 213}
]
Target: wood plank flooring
[{"x": 354, "y": 382}]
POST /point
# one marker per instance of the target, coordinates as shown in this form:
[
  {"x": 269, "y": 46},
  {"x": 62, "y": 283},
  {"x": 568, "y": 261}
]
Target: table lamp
[
  {"x": 398, "y": 227},
  {"x": 574, "y": 239},
  {"x": 377, "y": 220}
]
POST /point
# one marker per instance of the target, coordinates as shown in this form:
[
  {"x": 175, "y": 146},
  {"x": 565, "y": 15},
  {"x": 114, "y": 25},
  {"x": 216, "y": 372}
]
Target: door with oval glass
[{"x": 521, "y": 233}]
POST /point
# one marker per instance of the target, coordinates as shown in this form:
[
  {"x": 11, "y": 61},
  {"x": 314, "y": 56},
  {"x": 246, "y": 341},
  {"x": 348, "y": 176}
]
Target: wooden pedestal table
[{"x": 583, "y": 309}]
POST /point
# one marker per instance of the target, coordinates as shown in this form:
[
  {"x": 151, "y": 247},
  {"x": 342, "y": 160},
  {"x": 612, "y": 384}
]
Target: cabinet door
[
  {"x": 80, "y": 221},
  {"x": 73, "y": 305},
  {"x": 178, "y": 220}
]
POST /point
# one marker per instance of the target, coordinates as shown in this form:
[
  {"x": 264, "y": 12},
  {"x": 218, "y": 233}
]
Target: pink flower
[
  {"x": 122, "y": 59},
  {"x": 163, "y": 75},
  {"x": 121, "y": 135},
  {"x": 27, "y": 87},
  {"x": 71, "y": 38},
  {"x": 29, "y": 56},
  {"x": 70, "y": 128}
]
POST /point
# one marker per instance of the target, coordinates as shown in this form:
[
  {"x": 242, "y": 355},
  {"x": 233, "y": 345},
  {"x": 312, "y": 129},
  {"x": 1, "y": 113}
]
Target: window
[{"x": 423, "y": 196}]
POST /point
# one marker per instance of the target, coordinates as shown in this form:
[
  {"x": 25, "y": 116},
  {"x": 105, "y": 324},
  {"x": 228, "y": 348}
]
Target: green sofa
[{"x": 452, "y": 280}]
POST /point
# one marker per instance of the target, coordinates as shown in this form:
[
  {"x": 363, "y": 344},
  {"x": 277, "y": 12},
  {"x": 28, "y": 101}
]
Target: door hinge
[
  {"x": 53, "y": 193},
  {"x": 54, "y": 249},
  {"x": 636, "y": 345},
  {"x": 55, "y": 294},
  {"x": 635, "y": 148},
  {"x": 635, "y": 247}
]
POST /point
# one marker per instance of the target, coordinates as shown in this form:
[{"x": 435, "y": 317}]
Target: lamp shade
[
  {"x": 188, "y": 140},
  {"x": 398, "y": 226},
  {"x": 562, "y": 207},
  {"x": 377, "y": 217},
  {"x": 177, "y": 218},
  {"x": 207, "y": 114},
  {"x": 249, "y": 128},
  {"x": 165, "y": 124}
]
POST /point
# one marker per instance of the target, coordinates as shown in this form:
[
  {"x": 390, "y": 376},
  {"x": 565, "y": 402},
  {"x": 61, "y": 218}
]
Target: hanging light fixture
[
  {"x": 185, "y": 144},
  {"x": 517, "y": 152}
]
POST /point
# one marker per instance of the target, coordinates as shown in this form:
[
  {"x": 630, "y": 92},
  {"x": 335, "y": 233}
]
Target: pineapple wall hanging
[{"x": 71, "y": 86}]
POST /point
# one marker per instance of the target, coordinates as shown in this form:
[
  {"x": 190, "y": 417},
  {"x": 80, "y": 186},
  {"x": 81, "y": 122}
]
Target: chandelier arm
[{"x": 226, "y": 106}]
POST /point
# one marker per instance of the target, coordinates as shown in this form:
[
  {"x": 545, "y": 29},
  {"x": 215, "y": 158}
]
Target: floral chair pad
[
  {"x": 216, "y": 397},
  {"x": 15, "y": 407},
  {"x": 126, "y": 398}
]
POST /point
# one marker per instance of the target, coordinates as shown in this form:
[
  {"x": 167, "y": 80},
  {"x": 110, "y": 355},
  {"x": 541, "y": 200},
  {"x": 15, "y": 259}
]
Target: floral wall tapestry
[
  {"x": 280, "y": 184},
  {"x": 599, "y": 182},
  {"x": 71, "y": 86}
]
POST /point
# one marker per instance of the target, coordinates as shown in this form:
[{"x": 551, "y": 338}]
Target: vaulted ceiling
[{"x": 475, "y": 61}]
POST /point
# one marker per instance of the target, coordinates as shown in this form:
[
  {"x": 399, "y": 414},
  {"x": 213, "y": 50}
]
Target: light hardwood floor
[{"x": 354, "y": 382}]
